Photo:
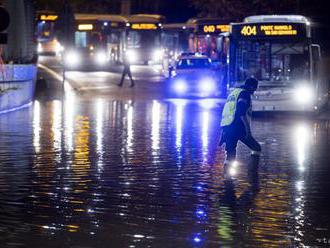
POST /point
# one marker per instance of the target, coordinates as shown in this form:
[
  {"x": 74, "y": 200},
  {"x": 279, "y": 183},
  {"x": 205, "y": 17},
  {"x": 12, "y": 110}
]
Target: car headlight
[
  {"x": 132, "y": 56},
  {"x": 180, "y": 86},
  {"x": 304, "y": 94},
  {"x": 101, "y": 57},
  {"x": 207, "y": 85},
  {"x": 158, "y": 55},
  {"x": 72, "y": 58}
]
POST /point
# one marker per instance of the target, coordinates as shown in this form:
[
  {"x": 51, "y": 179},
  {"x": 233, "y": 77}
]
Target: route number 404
[{"x": 249, "y": 30}]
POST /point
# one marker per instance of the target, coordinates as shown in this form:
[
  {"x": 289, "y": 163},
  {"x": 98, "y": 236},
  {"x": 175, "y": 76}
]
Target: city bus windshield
[
  {"x": 271, "y": 63},
  {"x": 143, "y": 39},
  {"x": 87, "y": 39},
  {"x": 45, "y": 30}
]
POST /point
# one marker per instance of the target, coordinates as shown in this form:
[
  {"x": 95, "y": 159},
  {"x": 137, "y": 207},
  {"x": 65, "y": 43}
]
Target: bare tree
[
  {"x": 100, "y": 6},
  {"x": 234, "y": 10}
]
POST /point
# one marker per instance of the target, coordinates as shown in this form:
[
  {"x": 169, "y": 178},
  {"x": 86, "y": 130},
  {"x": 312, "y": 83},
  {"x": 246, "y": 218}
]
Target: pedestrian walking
[
  {"x": 235, "y": 121},
  {"x": 126, "y": 71}
]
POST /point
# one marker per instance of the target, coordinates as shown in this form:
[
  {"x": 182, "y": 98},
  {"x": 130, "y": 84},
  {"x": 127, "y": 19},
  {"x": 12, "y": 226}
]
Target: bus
[
  {"x": 175, "y": 41},
  {"x": 142, "y": 39},
  {"x": 175, "y": 37},
  {"x": 96, "y": 40},
  {"x": 45, "y": 33},
  {"x": 278, "y": 51},
  {"x": 207, "y": 38}
]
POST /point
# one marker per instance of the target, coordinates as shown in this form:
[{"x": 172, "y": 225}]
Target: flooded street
[{"x": 149, "y": 173}]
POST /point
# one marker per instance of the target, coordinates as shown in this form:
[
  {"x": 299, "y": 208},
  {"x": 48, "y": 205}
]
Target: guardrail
[{"x": 18, "y": 90}]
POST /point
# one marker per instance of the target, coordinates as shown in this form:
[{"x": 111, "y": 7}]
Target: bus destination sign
[
  {"x": 48, "y": 17},
  {"x": 210, "y": 28},
  {"x": 260, "y": 30},
  {"x": 144, "y": 26}
]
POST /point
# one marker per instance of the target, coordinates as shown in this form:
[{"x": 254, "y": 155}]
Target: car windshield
[
  {"x": 271, "y": 63},
  {"x": 193, "y": 63}
]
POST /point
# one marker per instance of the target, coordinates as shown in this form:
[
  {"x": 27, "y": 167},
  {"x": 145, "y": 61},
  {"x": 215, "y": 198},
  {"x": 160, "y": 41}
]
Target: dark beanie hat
[{"x": 251, "y": 83}]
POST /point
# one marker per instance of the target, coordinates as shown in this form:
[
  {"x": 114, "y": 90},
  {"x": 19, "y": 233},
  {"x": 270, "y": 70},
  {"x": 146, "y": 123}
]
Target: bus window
[
  {"x": 81, "y": 39},
  {"x": 45, "y": 30},
  {"x": 271, "y": 61},
  {"x": 143, "y": 38},
  {"x": 209, "y": 44}
]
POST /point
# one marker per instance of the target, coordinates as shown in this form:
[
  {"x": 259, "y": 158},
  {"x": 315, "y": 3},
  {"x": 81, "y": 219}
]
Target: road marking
[{"x": 96, "y": 87}]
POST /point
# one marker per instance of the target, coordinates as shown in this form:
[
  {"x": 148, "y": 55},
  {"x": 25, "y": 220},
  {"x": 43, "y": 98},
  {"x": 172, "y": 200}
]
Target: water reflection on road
[{"x": 101, "y": 173}]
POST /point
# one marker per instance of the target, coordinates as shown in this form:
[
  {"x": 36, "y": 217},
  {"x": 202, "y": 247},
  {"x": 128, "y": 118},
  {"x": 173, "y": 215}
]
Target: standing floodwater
[{"x": 105, "y": 173}]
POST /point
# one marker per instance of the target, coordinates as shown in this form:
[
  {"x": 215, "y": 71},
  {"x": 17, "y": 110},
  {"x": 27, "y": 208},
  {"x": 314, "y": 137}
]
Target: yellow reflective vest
[{"x": 229, "y": 111}]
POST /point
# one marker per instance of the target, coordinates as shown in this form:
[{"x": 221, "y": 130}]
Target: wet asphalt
[{"x": 105, "y": 170}]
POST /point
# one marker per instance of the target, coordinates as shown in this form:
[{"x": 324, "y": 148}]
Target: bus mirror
[{"x": 316, "y": 52}]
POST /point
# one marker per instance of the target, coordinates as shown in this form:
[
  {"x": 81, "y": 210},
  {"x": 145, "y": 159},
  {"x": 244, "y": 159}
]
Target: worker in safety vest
[{"x": 235, "y": 120}]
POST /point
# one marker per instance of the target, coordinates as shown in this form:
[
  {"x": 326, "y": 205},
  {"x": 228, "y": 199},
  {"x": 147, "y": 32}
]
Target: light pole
[{"x": 66, "y": 26}]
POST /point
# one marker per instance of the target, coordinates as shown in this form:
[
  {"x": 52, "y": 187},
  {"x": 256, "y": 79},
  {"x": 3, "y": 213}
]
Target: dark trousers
[
  {"x": 231, "y": 139},
  {"x": 128, "y": 72}
]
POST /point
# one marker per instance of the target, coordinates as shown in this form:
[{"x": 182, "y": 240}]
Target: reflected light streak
[
  {"x": 197, "y": 238},
  {"x": 208, "y": 103},
  {"x": 155, "y": 125},
  {"x": 69, "y": 115},
  {"x": 56, "y": 128},
  {"x": 300, "y": 185},
  {"x": 268, "y": 223},
  {"x": 180, "y": 104},
  {"x": 205, "y": 130},
  {"x": 114, "y": 112},
  {"x": 99, "y": 132},
  {"x": 130, "y": 128},
  {"x": 299, "y": 213},
  {"x": 99, "y": 126},
  {"x": 233, "y": 170},
  {"x": 225, "y": 224},
  {"x": 81, "y": 162},
  {"x": 302, "y": 138},
  {"x": 36, "y": 126}
]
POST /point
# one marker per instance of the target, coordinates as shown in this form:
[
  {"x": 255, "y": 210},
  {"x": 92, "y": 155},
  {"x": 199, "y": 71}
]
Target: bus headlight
[
  {"x": 304, "y": 94},
  {"x": 101, "y": 57},
  {"x": 180, "y": 86},
  {"x": 158, "y": 55},
  {"x": 207, "y": 85},
  {"x": 40, "y": 50},
  {"x": 132, "y": 56},
  {"x": 58, "y": 48},
  {"x": 72, "y": 58}
]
